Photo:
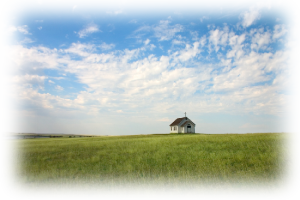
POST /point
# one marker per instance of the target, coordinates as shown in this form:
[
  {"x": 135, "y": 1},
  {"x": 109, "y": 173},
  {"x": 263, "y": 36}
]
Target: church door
[{"x": 189, "y": 129}]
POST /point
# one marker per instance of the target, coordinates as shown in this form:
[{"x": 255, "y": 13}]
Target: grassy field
[{"x": 195, "y": 158}]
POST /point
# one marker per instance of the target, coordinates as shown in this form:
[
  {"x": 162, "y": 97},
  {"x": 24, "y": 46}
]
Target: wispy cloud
[
  {"x": 58, "y": 87},
  {"x": 14, "y": 8},
  {"x": 279, "y": 30},
  {"x": 116, "y": 12},
  {"x": 249, "y": 17},
  {"x": 105, "y": 46},
  {"x": 22, "y": 29},
  {"x": 89, "y": 29},
  {"x": 203, "y": 18},
  {"x": 134, "y": 21},
  {"x": 26, "y": 40},
  {"x": 163, "y": 31}
]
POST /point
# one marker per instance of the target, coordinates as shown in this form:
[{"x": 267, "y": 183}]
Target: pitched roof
[
  {"x": 177, "y": 121},
  {"x": 189, "y": 121}
]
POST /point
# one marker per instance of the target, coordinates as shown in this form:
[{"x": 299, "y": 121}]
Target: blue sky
[{"x": 115, "y": 72}]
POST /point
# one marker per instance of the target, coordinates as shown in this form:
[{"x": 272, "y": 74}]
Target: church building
[{"x": 183, "y": 125}]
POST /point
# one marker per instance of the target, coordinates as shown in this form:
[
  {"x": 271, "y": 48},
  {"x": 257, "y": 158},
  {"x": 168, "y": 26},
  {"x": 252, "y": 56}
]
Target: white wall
[{"x": 176, "y": 131}]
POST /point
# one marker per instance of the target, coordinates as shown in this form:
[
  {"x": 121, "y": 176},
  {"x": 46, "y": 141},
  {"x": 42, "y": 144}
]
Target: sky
[{"x": 115, "y": 71}]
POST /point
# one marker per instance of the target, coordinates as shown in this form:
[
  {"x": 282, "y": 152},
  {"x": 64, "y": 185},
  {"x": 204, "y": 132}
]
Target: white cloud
[
  {"x": 249, "y": 17},
  {"x": 134, "y": 21},
  {"x": 147, "y": 41},
  {"x": 29, "y": 79},
  {"x": 116, "y": 12},
  {"x": 40, "y": 27},
  {"x": 187, "y": 53},
  {"x": 260, "y": 39},
  {"x": 58, "y": 87},
  {"x": 105, "y": 46},
  {"x": 203, "y": 18},
  {"x": 163, "y": 31},
  {"x": 22, "y": 29},
  {"x": 81, "y": 49},
  {"x": 14, "y": 8},
  {"x": 31, "y": 60},
  {"x": 26, "y": 40},
  {"x": 90, "y": 28},
  {"x": 235, "y": 41},
  {"x": 178, "y": 42},
  {"x": 2, "y": 24},
  {"x": 87, "y": 49},
  {"x": 218, "y": 37},
  {"x": 279, "y": 30}
]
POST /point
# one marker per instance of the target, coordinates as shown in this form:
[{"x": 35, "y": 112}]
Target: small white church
[{"x": 183, "y": 125}]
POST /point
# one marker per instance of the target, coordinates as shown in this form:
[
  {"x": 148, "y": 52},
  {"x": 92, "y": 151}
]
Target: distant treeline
[{"x": 32, "y": 136}]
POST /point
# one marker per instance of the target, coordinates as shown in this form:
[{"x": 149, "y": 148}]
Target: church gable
[{"x": 186, "y": 122}]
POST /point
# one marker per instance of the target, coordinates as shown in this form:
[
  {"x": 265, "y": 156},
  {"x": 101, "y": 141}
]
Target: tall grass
[{"x": 152, "y": 158}]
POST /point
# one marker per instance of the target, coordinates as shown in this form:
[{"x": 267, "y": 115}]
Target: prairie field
[{"x": 158, "y": 158}]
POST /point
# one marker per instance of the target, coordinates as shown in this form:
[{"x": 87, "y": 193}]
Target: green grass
[{"x": 253, "y": 158}]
